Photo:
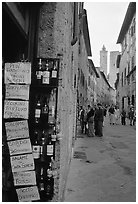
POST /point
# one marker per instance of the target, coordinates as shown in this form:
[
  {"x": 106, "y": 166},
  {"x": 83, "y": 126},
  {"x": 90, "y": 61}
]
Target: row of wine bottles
[
  {"x": 44, "y": 114},
  {"x": 45, "y": 180},
  {"x": 47, "y": 73},
  {"x": 43, "y": 144}
]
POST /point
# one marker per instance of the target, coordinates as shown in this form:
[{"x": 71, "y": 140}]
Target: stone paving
[{"x": 103, "y": 169}]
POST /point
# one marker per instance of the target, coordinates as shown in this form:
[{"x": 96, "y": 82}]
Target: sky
[{"x": 105, "y": 20}]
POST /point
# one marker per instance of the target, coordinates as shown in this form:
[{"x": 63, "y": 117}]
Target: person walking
[
  {"x": 111, "y": 114},
  {"x": 123, "y": 117},
  {"x": 104, "y": 110},
  {"x": 98, "y": 119},
  {"x": 117, "y": 116},
  {"x": 90, "y": 121},
  {"x": 81, "y": 116},
  {"x": 131, "y": 116}
]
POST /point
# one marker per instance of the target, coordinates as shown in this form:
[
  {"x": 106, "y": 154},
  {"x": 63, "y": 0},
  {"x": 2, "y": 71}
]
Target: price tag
[
  {"x": 16, "y": 130},
  {"x": 17, "y": 92},
  {"x": 28, "y": 194},
  {"x": 20, "y": 146},
  {"x": 22, "y": 163},
  {"x": 16, "y": 109},
  {"x": 24, "y": 178},
  {"x": 18, "y": 73}
]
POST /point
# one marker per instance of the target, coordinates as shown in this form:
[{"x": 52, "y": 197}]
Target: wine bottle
[
  {"x": 54, "y": 71},
  {"x": 38, "y": 111},
  {"x": 41, "y": 184},
  {"x": 44, "y": 114},
  {"x": 39, "y": 72},
  {"x": 49, "y": 186},
  {"x": 51, "y": 115},
  {"x": 42, "y": 147},
  {"x": 50, "y": 148},
  {"x": 54, "y": 136},
  {"x": 46, "y": 74},
  {"x": 36, "y": 146}
]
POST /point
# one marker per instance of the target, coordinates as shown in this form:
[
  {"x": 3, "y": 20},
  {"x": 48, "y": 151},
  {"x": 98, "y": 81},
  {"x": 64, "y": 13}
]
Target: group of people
[
  {"x": 115, "y": 116},
  {"x": 92, "y": 119}
]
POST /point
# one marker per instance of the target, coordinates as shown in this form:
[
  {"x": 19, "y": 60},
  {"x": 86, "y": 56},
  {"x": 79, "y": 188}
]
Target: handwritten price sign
[
  {"x": 28, "y": 194},
  {"x": 18, "y": 73},
  {"x": 16, "y": 109},
  {"x": 17, "y": 129},
  {"x": 24, "y": 178},
  {"x": 22, "y": 163},
  {"x": 17, "y": 92},
  {"x": 20, "y": 146}
]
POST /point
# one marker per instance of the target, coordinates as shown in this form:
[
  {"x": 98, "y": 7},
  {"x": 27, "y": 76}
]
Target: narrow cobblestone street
[{"x": 103, "y": 169}]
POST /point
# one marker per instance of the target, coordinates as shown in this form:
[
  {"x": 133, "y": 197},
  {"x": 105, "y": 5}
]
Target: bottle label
[
  {"x": 37, "y": 113},
  {"x": 53, "y": 137},
  {"x": 49, "y": 150},
  {"x": 45, "y": 110},
  {"x": 42, "y": 187},
  {"x": 36, "y": 151},
  {"x": 38, "y": 74},
  {"x": 46, "y": 74},
  {"x": 45, "y": 80},
  {"x": 54, "y": 74}
]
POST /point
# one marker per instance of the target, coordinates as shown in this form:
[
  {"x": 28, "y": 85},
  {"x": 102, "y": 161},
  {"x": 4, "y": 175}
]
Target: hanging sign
[
  {"x": 17, "y": 92},
  {"x": 28, "y": 194},
  {"x": 20, "y": 146},
  {"x": 22, "y": 163},
  {"x": 18, "y": 73},
  {"x": 16, "y": 109},
  {"x": 24, "y": 178},
  {"x": 17, "y": 129}
]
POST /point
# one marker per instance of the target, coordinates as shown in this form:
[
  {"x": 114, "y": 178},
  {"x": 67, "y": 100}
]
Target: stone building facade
[
  {"x": 92, "y": 83},
  {"x": 84, "y": 51},
  {"x": 127, "y": 60},
  {"x": 113, "y": 68}
]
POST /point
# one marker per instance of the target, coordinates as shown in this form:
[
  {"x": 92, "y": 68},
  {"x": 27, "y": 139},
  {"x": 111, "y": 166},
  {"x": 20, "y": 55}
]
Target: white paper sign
[
  {"x": 28, "y": 194},
  {"x": 20, "y": 146},
  {"x": 17, "y": 92},
  {"x": 16, "y": 109},
  {"x": 18, "y": 73},
  {"x": 22, "y": 163},
  {"x": 24, "y": 178},
  {"x": 16, "y": 130}
]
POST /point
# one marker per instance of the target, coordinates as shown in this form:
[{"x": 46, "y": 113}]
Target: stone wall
[{"x": 54, "y": 40}]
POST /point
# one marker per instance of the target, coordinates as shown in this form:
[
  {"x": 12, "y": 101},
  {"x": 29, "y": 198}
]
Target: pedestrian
[
  {"x": 98, "y": 119},
  {"x": 117, "y": 115},
  {"x": 90, "y": 121},
  {"x": 85, "y": 121},
  {"x": 123, "y": 117},
  {"x": 81, "y": 117},
  {"x": 132, "y": 116},
  {"x": 111, "y": 114},
  {"x": 104, "y": 110}
]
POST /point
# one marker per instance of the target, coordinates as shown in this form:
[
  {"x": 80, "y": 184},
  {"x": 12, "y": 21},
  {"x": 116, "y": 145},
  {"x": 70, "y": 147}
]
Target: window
[
  {"x": 122, "y": 78},
  {"x": 89, "y": 81},
  {"x": 128, "y": 67},
  {"x": 125, "y": 76},
  {"x": 132, "y": 63},
  {"x": 133, "y": 76},
  {"x": 131, "y": 31}
]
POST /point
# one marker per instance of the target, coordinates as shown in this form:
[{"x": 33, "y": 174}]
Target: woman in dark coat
[
  {"x": 90, "y": 121},
  {"x": 98, "y": 119}
]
